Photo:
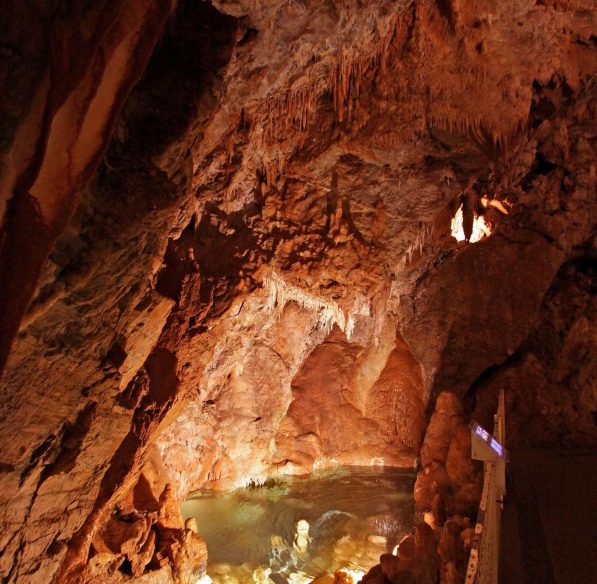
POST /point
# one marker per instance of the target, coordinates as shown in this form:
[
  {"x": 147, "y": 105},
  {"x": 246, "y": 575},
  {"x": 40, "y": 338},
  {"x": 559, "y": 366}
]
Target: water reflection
[{"x": 297, "y": 529}]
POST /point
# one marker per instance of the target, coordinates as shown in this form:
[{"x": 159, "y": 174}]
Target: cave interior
[{"x": 249, "y": 245}]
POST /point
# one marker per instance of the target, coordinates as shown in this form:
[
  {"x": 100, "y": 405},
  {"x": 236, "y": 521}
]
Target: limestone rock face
[
  {"x": 420, "y": 567},
  {"x": 450, "y": 482},
  {"x": 453, "y": 551},
  {"x": 551, "y": 380},
  {"x": 447, "y": 418},
  {"x": 332, "y": 419},
  {"x": 227, "y": 254},
  {"x": 142, "y": 537},
  {"x": 447, "y": 491}
]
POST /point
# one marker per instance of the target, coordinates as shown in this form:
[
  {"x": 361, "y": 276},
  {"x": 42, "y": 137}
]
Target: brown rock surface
[
  {"x": 169, "y": 516},
  {"x": 450, "y": 482},
  {"x": 243, "y": 262},
  {"x": 452, "y": 551},
  {"x": 420, "y": 568},
  {"x": 448, "y": 490},
  {"x": 551, "y": 381},
  {"x": 446, "y": 419}
]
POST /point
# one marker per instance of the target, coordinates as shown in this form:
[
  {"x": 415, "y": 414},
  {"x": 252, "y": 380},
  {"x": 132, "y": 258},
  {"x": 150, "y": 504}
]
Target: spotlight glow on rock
[
  {"x": 480, "y": 228},
  {"x": 353, "y": 576}
]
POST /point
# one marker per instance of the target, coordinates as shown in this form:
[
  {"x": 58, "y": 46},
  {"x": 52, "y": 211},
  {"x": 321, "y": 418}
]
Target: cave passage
[{"x": 297, "y": 529}]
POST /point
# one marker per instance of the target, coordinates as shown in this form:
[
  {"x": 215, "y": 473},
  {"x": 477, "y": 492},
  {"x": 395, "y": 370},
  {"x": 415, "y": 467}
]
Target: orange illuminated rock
[
  {"x": 182, "y": 550},
  {"x": 341, "y": 577},
  {"x": 169, "y": 514}
]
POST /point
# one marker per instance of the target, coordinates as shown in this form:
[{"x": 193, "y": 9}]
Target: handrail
[{"x": 484, "y": 556}]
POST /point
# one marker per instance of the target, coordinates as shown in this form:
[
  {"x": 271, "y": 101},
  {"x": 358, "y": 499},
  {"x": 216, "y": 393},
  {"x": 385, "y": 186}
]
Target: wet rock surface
[
  {"x": 447, "y": 494},
  {"x": 145, "y": 535},
  {"x": 181, "y": 258}
]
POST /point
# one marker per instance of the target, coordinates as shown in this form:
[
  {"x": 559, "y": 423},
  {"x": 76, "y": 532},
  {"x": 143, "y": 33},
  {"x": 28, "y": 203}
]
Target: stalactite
[
  {"x": 360, "y": 308},
  {"x": 343, "y": 78},
  {"x": 345, "y": 75},
  {"x": 229, "y": 148},
  {"x": 418, "y": 244},
  {"x": 280, "y": 293},
  {"x": 329, "y": 312}
]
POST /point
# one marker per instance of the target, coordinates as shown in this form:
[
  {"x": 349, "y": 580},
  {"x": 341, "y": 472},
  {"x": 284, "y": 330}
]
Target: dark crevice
[
  {"x": 163, "y": 381},
  {"x": 126, "y": 567},
  {"x": 180, "y": 76},
  {"x": 56, "y": 547},
  {"x": 470, "y": 397},
  {"x": 447, "y": 11},
  {"x": 72, "y": 440},
  {"x": 38, "y": 453},
  {"x": 542, "y": 165},
  {"x": 116, "y": 355},
  {"x": 133, "y": 393}
]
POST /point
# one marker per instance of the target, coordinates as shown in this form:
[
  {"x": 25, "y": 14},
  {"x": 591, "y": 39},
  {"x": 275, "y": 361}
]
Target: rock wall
[
  {"x": 247, "y": 252},
  {"x": 334, "y": 418},
  {"x": 447, "y": 494},
  {"x": 550, "y": 380}
]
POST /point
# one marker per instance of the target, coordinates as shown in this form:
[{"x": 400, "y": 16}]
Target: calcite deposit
[{"x": 226, "y": 253}]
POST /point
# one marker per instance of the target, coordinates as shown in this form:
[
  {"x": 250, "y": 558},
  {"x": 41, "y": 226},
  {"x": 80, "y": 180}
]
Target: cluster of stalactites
[
  {"x": 484, "y": 132},
  {"x": 329, "y": 312},
  {"x": 343, "y": 78},
  {"x": 281, "y": 293},
  {"x": 417, "y": 245}
]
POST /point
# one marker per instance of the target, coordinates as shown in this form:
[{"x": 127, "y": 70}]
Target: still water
[{"x": 296, "y": 529}]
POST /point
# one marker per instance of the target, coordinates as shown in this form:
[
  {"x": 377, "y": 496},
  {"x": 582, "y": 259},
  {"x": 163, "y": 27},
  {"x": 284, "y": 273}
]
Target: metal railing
[{"x": 485, "y": 552}]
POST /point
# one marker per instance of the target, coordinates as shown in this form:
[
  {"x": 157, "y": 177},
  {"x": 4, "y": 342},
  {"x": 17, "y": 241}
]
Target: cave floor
[{"x": 549, "y": 529}]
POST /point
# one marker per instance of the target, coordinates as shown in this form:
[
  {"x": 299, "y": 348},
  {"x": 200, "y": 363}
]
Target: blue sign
[{"x": 482, "y": 434}]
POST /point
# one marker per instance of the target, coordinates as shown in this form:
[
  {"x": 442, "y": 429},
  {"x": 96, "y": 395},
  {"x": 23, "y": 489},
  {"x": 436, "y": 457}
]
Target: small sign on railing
[{"x": 484, "y": 446}]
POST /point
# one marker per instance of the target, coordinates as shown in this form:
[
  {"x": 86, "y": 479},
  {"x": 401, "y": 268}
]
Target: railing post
[
  {"x": 500, "y": 433},
  {"x": 484, "y": 557}
]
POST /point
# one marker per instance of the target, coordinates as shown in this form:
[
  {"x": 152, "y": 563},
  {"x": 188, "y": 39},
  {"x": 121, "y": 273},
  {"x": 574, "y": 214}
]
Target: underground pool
[{"x": 293, "y": 530}]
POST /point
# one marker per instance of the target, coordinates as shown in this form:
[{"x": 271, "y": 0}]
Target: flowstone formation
[{"x": 226, "y": 250}]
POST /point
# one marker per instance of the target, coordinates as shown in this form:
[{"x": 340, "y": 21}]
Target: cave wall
[
  {"x": 550, "y": 379},
  {"x": 223, "y": 436},
  {"x": 58, "y": 117},
  {"x": 334, "y": 418},
  {"x": 271, "y": 202}
]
